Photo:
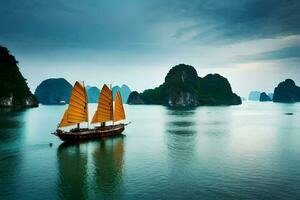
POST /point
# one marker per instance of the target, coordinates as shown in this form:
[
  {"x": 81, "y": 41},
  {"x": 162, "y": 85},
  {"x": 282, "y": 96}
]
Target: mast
[
  {"x": 112, "y": 105},
  {"x": 87, "y": 110}
]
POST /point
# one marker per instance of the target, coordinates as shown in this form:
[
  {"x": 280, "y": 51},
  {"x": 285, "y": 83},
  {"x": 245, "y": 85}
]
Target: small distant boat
[
  {"x": 77, "y": 112},
  {"x": 62, "y": 102}
]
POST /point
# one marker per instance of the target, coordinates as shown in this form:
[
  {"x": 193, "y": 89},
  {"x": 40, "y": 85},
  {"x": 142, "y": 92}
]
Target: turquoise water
[{"x": 250, "y": 151}]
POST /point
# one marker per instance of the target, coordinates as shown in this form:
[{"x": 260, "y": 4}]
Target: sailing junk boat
[{"x": 77, "y": 112}]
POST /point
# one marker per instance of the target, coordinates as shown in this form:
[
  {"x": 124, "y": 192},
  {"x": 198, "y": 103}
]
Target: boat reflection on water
[
  {"x": 93, "y": 166},
  {"x": 72, "y": 171}
]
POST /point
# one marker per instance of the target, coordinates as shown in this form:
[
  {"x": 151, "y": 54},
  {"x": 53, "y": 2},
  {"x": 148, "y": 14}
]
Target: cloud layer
[{"x": 140, "y": 35}]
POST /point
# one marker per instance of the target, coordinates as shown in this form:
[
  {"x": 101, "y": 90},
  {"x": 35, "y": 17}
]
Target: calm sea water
[{"x": 250, "y": 151}]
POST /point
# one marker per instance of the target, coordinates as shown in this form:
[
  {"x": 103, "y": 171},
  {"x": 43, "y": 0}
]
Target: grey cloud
[
  {"x": 106, "y": 24},
  {"x": 141, "y": 26},
  {"x": 284, "y": 53},
  {"x": 233, "y": 21}
]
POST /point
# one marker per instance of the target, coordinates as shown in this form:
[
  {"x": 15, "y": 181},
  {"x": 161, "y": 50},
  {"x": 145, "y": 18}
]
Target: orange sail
[
  {"x": 119, "y": 113},
  {"x": 104, "y": 111},
  {"x": 77, "y": 111}
]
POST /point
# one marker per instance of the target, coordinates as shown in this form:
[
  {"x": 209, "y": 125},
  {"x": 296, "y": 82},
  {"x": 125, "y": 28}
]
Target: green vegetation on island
[{"x": 14, "y": 91}]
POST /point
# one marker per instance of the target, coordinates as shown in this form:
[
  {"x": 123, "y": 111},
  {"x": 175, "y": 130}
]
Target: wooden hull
[{"x": 90, "y": 134}]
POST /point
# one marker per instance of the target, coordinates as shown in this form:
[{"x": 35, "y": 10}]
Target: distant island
[
  {"x": 271, "y": 96},
  {"x": 287, "y": 92},
  {"x": 254, "y": 96},
  {"x": 264, "y": 97},
  {"x": 124, "y": 91},
  {"x": 53, "y": 91},
  {"x": 260, "y": 96},
  {"x": 14, "y": 91},
  {"x": 56, "y": 91},
  {"x": 183, "y": 87},
  {"x": 92, "y": 93}
]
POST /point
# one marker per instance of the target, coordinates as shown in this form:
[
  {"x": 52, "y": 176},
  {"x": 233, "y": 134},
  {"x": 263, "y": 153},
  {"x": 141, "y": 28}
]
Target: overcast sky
[{"x": 254, "y": 43}]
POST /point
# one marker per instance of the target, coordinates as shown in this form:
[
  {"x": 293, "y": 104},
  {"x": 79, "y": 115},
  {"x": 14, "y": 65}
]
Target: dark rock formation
[
  {"x": 93, "y": 94},
  {"x": 254, "y": 96},
  {"x": 53, "y": 91},
  {"x": 287, "y": 92},
  {"x": 135, "y": 98},
  {"x": 14, "y": 91},
  {"x": 264, "y": 97},
  {"x": 183, "y": 87}
]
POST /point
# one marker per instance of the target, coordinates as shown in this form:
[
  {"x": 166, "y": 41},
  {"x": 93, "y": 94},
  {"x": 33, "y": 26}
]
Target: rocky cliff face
[
  {"x": 183, "y": 99},
  {"x": 287, "y": 92},
  {"x": 183, "y": 87},
  {"x": 14, "y": 91},
  {"x": 6, "y": 101}
]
